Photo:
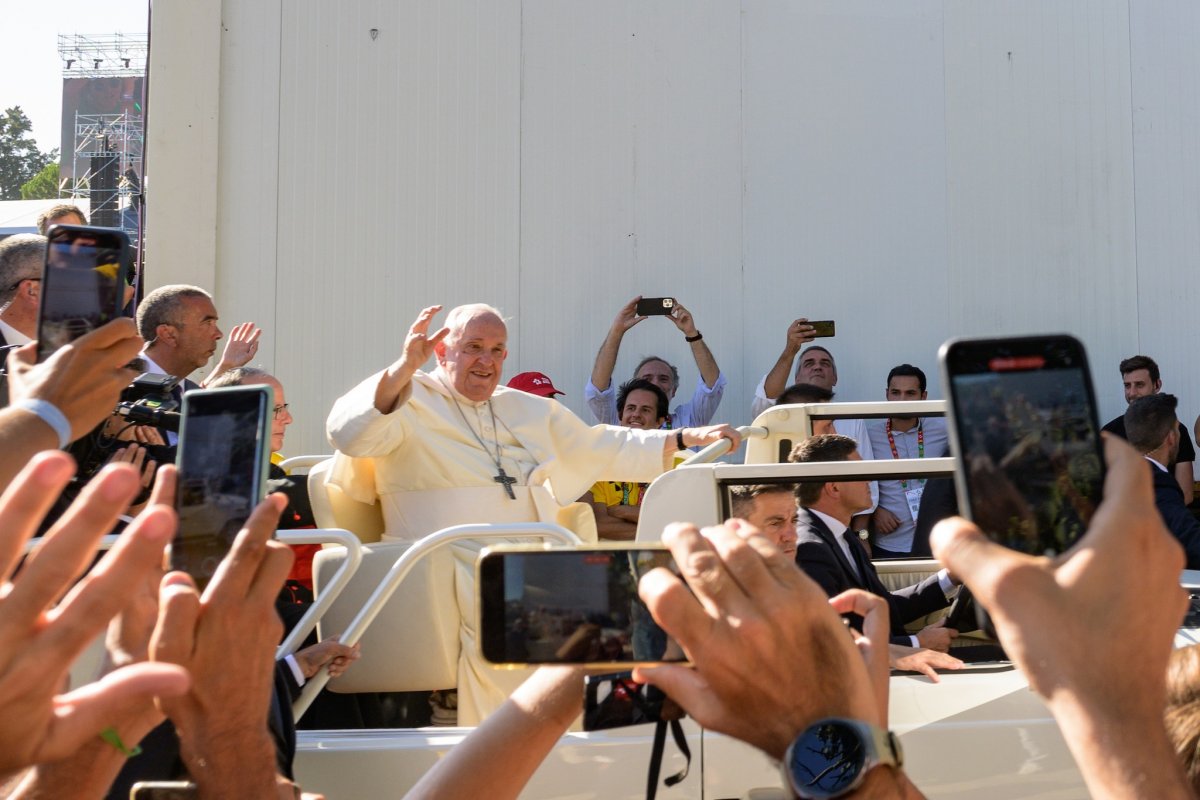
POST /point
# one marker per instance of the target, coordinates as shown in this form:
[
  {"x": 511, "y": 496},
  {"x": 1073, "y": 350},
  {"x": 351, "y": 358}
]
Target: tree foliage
[
  {"x": 42, "y": 186},
  {"x": 20, "y": 159}
]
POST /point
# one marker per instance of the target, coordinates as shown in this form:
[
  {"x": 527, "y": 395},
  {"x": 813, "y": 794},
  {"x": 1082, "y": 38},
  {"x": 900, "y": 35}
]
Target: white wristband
[{"x": 48, "y": 413}]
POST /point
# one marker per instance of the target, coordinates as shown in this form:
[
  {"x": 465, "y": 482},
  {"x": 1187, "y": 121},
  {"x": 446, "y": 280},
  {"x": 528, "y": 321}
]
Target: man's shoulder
[{"x": 1116, "y": 425}]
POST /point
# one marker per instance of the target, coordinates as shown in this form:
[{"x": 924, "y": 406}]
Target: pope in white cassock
[{"x": 451, "y": 446}]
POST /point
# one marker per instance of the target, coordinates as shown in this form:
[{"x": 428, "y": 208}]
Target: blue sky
[{"x": 30, "y": 67}]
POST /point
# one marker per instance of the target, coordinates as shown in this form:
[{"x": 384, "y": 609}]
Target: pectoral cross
[{"x": 508, "y": 482}]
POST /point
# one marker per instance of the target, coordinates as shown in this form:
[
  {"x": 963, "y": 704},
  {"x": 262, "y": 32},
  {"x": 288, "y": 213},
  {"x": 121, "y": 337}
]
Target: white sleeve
[
  {"x": 704, "y": 403},
  {"x": 603, "y": 404},
  {"x": 357, "y": 428},
  {"x": 761, "y": 402}
]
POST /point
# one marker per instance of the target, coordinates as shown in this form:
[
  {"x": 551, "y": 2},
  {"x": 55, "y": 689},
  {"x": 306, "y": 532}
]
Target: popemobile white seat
[{"x": 413, "y": 645}]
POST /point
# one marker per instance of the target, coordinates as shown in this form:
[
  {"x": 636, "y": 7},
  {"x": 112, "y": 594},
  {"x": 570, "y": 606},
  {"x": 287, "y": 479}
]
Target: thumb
[{"x": 972, "y": 557}]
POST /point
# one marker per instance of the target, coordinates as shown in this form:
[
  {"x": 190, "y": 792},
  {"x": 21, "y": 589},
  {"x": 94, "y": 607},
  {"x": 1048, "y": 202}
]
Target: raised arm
[
  {"x": 396, "y": 383},
  {"x": 798, "y": 334},
  {"x": 606, "y": 359},
  {"x": 500, "y": 756},
  {"x": 709, "y": 371},
  {"x": 240, "y": 348},
  {"x": 1120, "y": 583}
]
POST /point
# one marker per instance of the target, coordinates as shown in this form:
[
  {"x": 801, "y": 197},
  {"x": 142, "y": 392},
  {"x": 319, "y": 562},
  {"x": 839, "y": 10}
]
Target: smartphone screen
[
  {"x": 570, "y": 607},
  {"x": 83, "y": 284},
  {"x": 655, "y": 306},
  {"x": 1024, "y": 429},
  {"x": 224, "y": 444},
  {"x": 823, "y": 328}
]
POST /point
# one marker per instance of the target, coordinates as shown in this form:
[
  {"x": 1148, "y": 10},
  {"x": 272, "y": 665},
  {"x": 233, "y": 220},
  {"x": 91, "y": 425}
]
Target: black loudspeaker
[{"x": 106, "y": 173}]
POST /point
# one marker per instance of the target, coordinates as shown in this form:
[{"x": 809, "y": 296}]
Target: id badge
[{"x": 913, "y": 496}]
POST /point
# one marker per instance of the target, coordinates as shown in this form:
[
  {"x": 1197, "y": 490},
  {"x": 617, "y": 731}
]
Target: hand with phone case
[
  {"x": 83, "y": 380},
  {"x": 1092, "y": 629}
]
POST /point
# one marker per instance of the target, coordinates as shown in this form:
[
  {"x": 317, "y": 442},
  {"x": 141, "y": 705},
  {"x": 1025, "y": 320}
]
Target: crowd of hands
[{"x": 1092, "y": 629}]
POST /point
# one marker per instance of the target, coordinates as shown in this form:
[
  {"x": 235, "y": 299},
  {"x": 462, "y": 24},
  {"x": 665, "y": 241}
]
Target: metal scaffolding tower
[{"x": 106, "y": 151}]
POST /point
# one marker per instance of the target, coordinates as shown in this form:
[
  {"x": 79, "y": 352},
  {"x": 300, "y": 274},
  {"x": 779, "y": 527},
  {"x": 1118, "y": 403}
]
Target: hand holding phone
[
  {"x": 570, "y": 606},
  {"x": 224, "y": 452}
]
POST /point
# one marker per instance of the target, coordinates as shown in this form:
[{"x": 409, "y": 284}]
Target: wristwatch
[
  {"x": 833, "y": 756},
  {"x": 864, "y": 534}
]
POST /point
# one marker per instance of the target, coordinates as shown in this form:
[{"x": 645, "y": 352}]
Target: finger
[
  {"x": 110, "y": 586},
  {"x": 926, "y": 670},
  {"x": 272, "y": 572},
  {"x": 118, "y": 331},
  {"x": 82, "y": 714},
  {"x": 148, "y": 473},
  {"x": 236, "y": 572},
  {"x": 675, "y": 609},
  {"x": 178, "y": 609},
  {"x": 742, "y": 562},
  {"x": 71, "y": 543},
  {"x": 422, "y": 323},
  {"x": 25, "y": 502},
  {"x": 876, "y": 630},
  {"x": 439, "y": 336},
  {"x": 702, "y": 567},
  {"x": 255, "y": 335},
  {"x": 965, "y": 551},
  {"x": 163, "y": 493}
]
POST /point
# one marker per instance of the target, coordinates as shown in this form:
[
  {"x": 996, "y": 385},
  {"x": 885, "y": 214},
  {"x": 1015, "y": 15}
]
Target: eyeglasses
[
  {"x": 279, "y": 409},
  {"x": 17, "y": 285}
]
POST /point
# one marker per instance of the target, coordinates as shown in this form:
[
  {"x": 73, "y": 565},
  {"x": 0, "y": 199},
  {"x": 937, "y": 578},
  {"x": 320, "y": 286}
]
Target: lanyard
[{"x": 920, "y": 447}]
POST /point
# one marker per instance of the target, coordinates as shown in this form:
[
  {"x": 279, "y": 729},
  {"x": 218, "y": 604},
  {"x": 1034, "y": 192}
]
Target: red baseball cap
[{"x": 534, "y": 383}]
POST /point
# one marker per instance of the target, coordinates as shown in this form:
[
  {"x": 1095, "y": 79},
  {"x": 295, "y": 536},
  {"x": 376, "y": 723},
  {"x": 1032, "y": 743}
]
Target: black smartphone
[
  {"x": 570, "y": 606},
  {"x": 823, "y": 328},
  {"x": 1024, "y": 430},
  {"x": 83, "y": 284},
  {"x": 224, "y": 452},
  {"x": 655, "y": 306}
]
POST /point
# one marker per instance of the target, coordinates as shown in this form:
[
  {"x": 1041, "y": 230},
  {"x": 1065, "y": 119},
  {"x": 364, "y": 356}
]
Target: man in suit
[
  {"x": 838, "y": 561},
  {"x": 1153, "y": 429}
]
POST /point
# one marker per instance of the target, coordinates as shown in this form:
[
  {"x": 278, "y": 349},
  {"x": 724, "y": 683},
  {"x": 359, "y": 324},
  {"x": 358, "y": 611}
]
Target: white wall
[{"x": 915, "y": 169}]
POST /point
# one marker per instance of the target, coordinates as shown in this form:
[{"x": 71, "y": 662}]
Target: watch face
[{"x": 827, "y": 760}]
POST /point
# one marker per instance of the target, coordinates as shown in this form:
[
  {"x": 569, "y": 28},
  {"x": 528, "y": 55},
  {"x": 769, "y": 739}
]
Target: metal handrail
[
  {"x": 719, "y": 448},
  {"x": 289, "y": 464},
  {"x": 339, "y": 581},
  {"x": 400, "y": 569}
]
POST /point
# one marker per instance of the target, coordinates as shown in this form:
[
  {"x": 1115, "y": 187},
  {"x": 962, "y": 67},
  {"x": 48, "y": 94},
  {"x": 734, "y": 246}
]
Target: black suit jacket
[
  {"x": 822, "y": 559},
  {"x": 1178, "y": 518}
]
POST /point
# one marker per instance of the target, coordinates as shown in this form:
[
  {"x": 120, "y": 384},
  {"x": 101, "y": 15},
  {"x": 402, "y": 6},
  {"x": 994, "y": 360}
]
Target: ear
[
  {"x": 165, "y": 333},
  {"x": 439, "y": 352},
  {"x": 924, "y": 395}
]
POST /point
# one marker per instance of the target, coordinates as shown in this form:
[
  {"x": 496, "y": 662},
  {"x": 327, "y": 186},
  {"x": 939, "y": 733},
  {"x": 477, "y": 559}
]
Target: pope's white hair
[{"x": 460, "y": 316}]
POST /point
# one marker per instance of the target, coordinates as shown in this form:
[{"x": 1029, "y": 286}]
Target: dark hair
[
  {"x": 1182, "y": 716},
  {"x": 826, "y": 447},
  {"x": 672, "y": 367},
  {"x": 742, "y": 496},
  {"x": 162, "y": 306},
  {"x": 1134, "y": 363},
  {"x": 54, "y": 213},
  {"x": 644, "y": 385},
  {"x": 804, "y": 393},
  {"x": 1149, "y": 419},
  {"x": 906, "y": 371}
]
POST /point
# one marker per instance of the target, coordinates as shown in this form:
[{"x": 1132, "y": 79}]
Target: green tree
[
  {"x": 42, "y": 186},
  {"x": 20, "y": 158}
]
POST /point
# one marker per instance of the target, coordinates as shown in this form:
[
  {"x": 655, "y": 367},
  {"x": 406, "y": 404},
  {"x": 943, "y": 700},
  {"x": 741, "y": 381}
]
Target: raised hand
[
  {"x": 241, "y": 346},
  {"x": 627, "y": 317},
  {"x": 683, "y": 319},
  {"x": 47, "y": 618}
]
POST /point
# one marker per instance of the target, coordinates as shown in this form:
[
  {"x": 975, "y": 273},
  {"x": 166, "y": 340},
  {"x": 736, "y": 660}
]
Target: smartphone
[
  {"x": 224, "y": 452},
  {"x": 570, "y": 606},
  {"x": 1024, "y": 430},
  {"x": 655, "y": 306},
  {"x": 83, "y": 284},
  {"x": 823, "y": 328}
]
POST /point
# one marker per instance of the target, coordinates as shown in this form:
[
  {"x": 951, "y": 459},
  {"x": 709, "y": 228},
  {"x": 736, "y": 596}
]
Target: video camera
[{"x": 148, "y": 401}]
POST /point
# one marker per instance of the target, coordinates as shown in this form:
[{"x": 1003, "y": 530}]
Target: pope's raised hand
[{"x": 419, "y": 344}]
